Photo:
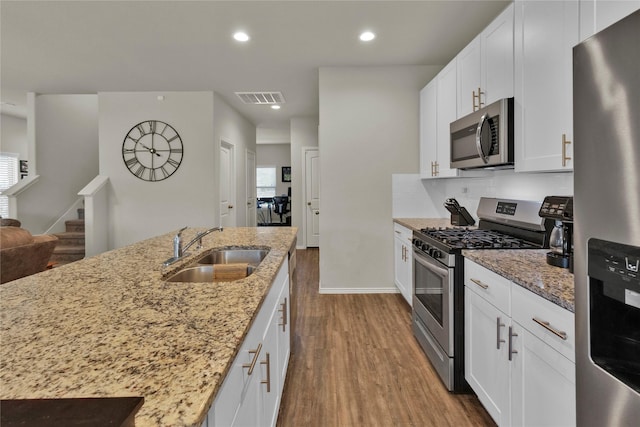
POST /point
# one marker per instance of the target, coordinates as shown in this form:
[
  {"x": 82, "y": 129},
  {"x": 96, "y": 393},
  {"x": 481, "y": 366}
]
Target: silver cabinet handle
[
  {"x": 283, "y": 310},
  {"x": 397, "y": 232},
  {"x": 499, "y": 325},
  {"x": 479, "y": 283},
  {"x": 255, "y": 353},
  {"x": 549, "y": 328},
  {"x": 511, "y": 350},
  {"x": 267, "y": 362}
]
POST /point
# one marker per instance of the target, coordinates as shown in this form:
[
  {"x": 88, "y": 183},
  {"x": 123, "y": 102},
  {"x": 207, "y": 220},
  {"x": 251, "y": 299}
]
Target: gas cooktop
[{"x": 469, "y": 238}]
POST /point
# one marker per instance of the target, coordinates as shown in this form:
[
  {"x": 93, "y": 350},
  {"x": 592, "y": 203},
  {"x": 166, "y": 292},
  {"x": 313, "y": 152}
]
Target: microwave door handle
[{"x": 483, "y": 120}]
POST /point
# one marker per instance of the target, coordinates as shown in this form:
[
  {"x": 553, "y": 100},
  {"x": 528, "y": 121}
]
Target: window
[
  {"x": 266, "y": 181},
  {"x": 8, "y": 177}
]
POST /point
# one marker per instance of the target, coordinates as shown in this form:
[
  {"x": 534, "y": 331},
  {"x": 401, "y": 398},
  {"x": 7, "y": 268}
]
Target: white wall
[
  {"x": 66, "y": 135},
  {"x": 13, "y": 136},
  {"x": 428, "y": 195},
  {"x": 141, "y": 209},
  {"x": 277, "y": 155},
  {"x": 304, "y": 133},
  {"x": 231, "y": 126},
  {"x": 368, "y": 131}
]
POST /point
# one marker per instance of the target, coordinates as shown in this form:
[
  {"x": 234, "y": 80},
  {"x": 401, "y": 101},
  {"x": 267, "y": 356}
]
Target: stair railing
[
  {"x": 96, "y": 215},
  {"x": 72, "y": 213}
]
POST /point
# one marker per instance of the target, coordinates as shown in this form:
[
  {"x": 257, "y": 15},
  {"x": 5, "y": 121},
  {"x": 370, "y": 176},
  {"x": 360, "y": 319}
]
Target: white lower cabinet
[
  {"x": 250, "y": 394},
  {"x": 519, "y": 352},
  {"x": 403, "y": 261}
]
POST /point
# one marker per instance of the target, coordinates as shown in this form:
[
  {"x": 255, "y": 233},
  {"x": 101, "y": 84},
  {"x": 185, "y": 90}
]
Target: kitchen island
[{"x": 111, "y": 326}]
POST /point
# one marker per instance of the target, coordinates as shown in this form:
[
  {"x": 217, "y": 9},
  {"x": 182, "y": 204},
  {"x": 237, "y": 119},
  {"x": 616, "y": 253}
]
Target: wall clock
[{"x": 152, "y": 150}]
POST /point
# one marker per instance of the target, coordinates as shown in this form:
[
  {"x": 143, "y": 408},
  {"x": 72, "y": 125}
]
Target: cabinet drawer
[
  {"x": 553, "y": 324},
  {"x": 491, "y": 286},
  {"x": 403, "y": 233}
]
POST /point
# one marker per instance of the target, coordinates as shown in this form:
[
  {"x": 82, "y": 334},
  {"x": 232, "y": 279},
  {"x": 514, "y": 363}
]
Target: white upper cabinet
[
  {"x": 428, "y": 130},
  {"x": 446, "y": 102},
  {"x": 485, "y": 66},
  {"x": 437, "y": 111},
  {"x": 469, "y": 66},
  {"x": 596, "y": 15},
  {"x": 546, "y": 33}
]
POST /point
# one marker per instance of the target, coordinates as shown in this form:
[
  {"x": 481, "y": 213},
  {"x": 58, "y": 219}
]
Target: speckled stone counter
[
  {"x": 529, "y": 269},
  {"x": 110, "y": 326}
]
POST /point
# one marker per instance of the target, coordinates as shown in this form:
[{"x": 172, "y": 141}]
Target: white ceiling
[{"x": 92, "y": 46}]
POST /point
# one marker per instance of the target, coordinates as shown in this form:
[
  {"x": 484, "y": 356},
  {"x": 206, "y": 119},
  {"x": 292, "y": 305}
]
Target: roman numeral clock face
[{"x": 152, "y": 150}]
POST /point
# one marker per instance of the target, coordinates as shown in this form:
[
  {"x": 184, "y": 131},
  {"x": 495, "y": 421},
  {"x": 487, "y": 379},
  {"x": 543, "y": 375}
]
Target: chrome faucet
[
  {"x": 198, "y": 239},
  {"x": 179, "y": 251}
]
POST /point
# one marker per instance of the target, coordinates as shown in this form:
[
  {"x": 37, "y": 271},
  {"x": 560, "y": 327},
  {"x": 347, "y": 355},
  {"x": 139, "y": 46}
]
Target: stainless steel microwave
[{"x": 484, "y": 138}]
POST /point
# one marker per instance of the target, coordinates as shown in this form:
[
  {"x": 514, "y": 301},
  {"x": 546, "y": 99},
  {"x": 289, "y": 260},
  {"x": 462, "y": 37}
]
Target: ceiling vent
[{"x": 261, "y": 98}]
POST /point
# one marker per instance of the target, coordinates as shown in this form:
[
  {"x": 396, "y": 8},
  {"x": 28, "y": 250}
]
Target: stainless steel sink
[
  {"x": 200, "y": 274},
  {"x": 251, "y": 256}
]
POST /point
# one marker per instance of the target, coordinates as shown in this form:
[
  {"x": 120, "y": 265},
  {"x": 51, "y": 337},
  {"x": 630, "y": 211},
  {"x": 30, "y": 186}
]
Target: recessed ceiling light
[
  {"x": 241, "y": 37},
  {"x": 275, "y": 107},
  {"x": 367, "y": 36}
]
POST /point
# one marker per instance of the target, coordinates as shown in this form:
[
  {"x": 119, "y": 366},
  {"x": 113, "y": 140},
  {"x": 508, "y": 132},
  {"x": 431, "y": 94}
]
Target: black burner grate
[{"x": 467, "y": 238}]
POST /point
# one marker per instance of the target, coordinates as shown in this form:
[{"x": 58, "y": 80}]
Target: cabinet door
[
  {"x": 447, "y": 112},
  {"x": 269, "y": 385},
  {"x": 596, "y": 15},
  {"x": 284, "y": 334},
  {"x": 543, "y": 383},
  {"x": 428, "y": 129},
  {"x": 468, "y": 75},
  {"x": 486, "y": 358},
  {"x": 497, "y": 58},
  {"x": 399, "y": 267},
  {"x": 546, "y": 33}
]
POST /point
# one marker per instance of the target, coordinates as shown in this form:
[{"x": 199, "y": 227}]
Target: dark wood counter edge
[{"x": 91, "y": 411}]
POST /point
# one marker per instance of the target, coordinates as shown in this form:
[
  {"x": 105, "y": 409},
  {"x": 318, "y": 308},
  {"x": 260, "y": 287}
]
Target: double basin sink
[{"x": 205, "y": 268}]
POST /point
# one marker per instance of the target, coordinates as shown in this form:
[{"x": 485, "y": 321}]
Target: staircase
[{"x": 70, "y": 245}]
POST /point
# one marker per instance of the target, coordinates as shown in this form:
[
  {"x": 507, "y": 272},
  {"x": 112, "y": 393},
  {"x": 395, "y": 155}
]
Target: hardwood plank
[{"x": 356, "y": 363}]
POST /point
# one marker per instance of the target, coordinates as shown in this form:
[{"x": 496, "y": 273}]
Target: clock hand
[{"x": 151, "y": 150}]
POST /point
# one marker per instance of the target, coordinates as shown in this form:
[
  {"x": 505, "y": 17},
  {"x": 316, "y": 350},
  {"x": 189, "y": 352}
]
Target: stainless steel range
[{"x": 438, "y": 275}]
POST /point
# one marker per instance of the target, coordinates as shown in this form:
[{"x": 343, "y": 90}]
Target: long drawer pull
[
  {"x": 549, "y": 328},
  {"x": 511, "y": 350},
  {"x": 267, "y": 382},
  {"x": 283, "y": 310},
  {"x": 252, "y": 365},
  {"x": 479, "y": 283},
  {"x": 499, "y": 325}
]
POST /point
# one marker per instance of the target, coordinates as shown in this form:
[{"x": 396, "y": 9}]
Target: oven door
[{"x": 433, "y": 299}]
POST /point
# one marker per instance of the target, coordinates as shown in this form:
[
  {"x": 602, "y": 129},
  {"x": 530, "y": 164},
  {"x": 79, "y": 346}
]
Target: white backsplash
[{"x": 416, "y": 198}]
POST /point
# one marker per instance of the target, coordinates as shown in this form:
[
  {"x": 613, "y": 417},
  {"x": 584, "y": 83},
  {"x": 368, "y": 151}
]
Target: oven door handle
[{"x": 431, "y": 264}]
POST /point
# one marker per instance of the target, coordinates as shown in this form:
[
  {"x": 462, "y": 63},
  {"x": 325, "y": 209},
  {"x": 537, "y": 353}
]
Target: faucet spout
[{"x": 199, "y": 237}]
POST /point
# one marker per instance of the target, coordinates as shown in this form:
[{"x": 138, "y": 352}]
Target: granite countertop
[
  {"x": 529, "y": 269},
  {"x": 110, "y": 326}
]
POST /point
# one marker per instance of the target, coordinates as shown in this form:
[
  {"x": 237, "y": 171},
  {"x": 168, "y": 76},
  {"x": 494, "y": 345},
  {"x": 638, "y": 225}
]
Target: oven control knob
[
  {"x": 425, "y": 247},
  {"x": 436, "y": 254}
]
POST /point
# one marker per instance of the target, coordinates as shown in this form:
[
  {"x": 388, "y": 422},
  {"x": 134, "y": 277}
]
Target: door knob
[
  {"x": 308, "y": 203},
  {"x": 317, "y": 212}
]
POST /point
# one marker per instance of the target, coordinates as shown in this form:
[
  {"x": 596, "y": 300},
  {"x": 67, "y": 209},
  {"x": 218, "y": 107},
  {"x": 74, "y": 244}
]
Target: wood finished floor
[{"x": 356, "y": 363}]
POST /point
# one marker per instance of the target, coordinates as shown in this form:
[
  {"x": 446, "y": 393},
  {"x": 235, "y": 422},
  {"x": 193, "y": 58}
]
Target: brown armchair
[{"x": 22, "y": 254}]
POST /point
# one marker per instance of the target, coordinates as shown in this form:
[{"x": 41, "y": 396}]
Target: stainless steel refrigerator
[{"x": 606, "y": 104}]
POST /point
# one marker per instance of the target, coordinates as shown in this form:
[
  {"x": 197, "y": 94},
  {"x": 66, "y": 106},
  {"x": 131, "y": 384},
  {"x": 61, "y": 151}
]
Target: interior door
[
  {"x": 227, "y": 185},
  {"x": 312, "y": 197},
  {"x": 250, "y": 162}
]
